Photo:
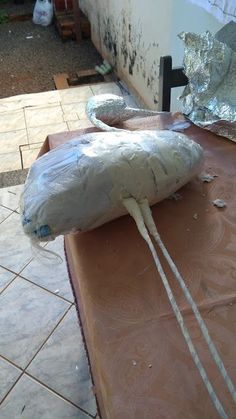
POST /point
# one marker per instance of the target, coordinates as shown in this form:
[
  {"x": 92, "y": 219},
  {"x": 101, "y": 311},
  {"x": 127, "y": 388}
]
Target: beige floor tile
[
  {"x": 10, "y": 196},
  {"x": 40, "y": 116},
  {"x": 103, "y": 88},
  {"x": 74, "y": 111},
  {"x": 36, "y": 146},
  {"x": 75, "y": 94},
  {"x": 29, "y": 156},
  {"x": 39, "y": 134},
  {"x": 79, "y": 124},
  {"x": 31, "y": 99},
  {"x": 10, "y": 121},
  {"x": 70, "y": 116},
  {"x": 10, "y": 141},
  {"x": 10, "y": 161}
]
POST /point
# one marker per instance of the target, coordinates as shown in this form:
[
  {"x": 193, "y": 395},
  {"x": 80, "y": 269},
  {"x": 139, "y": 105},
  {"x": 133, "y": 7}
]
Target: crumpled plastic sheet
[{"x": 209, "y": 99}]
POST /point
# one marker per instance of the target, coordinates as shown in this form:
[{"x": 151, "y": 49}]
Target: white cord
[
  {"x": 148, "y": 219},
  {"x": 135, "y": 212}
]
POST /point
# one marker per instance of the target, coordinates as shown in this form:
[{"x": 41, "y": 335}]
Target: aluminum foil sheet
[
  {"x": 209, "y": 99},
  {"x": 107, "y": 110}
]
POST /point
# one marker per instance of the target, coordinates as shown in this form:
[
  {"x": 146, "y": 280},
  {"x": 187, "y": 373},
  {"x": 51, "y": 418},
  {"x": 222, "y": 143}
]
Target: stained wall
[{"x": 133, "y": 34}]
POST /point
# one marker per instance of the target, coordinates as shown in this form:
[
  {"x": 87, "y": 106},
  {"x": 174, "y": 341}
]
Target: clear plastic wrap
[{"x": 82, "y": 184}]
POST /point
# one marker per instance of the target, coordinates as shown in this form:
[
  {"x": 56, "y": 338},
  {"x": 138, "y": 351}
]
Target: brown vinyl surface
[{"x": 141, "y": 366}]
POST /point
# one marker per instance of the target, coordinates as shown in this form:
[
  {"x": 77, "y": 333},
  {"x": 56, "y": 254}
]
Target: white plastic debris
[
  {"x": 195, "y": 216},
  {"x": 207, "y": 177},
  {"x": 219, "y": 203}
]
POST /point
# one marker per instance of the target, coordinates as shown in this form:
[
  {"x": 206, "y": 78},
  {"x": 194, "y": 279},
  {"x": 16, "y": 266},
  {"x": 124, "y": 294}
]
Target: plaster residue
[
  {"x": 207, "y": 177},
  {"x": 219, "y": 203}
]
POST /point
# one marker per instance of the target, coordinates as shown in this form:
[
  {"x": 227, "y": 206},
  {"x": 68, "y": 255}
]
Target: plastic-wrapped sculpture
[{"x": 98, "y": 177}]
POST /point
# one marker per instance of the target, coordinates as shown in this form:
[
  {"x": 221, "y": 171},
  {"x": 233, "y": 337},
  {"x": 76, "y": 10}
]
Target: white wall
[{"x": 133, "y": 34}]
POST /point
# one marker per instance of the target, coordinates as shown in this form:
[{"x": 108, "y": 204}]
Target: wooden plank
[
  {"x": 20, "y": 18},
  {"x": 86, "y": 73},
  {"x": 89, "y": 76},
  {"x": 76, "y": 11},
  {"x": 60, "y": 81}
]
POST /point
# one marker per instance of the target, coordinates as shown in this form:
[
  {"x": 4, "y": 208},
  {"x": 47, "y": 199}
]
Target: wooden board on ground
[
  {"x": 89, "y": 76},
  {"x": 20, "y": 18},
  {"x": 61, "y": 81}
]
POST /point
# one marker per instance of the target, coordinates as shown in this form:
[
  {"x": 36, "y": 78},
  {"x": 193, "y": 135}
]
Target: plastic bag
[
  {"x": 43, "y": 12},
  {"x": 81, "y": 184}
]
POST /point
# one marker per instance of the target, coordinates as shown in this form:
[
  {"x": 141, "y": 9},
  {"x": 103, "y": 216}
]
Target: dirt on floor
[{"x": 30, "y": 54}]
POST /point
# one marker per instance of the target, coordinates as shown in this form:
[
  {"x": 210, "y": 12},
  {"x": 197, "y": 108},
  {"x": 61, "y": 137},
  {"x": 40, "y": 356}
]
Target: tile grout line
[
  {"x": 58, "y": 394},
  {"x": 27, "y": 134},
  {"x": 47, "y": 338},
  {"x": 26, "y": 126},
  {"x": 7, "y": 285},
  {"x": 63, "y": 113},
  {"x": 7, "y": 215},
  {"x": 41, "y": 346},
  {"x": 33, "y": 283},
  {"x": 9, "y": 391},
  {"x": 11, "y": 362},
  {"x": 25, "y": 372},
  {"x": 4, "y": 206},
  {"x": 18, "y": 274},
  {"x": 47, "y": 290}
]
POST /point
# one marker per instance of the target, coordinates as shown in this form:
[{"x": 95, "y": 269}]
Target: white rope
[
  {"x": 148, "y": 219},
  {"x": 135, "y": 212}
]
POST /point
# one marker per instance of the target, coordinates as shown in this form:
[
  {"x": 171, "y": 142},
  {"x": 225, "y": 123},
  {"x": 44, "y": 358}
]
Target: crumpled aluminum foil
[
  {"x": 107, "y": 110},
  {"x": 209, "y": 99}
]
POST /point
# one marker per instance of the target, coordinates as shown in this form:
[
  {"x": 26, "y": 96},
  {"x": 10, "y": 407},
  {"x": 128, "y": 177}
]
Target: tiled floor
[
  {"x": 28, "y": 119},
  {"x": 44, "y": 370}
]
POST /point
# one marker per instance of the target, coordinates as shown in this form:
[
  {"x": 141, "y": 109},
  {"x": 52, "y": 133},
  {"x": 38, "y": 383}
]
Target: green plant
[{"x": 3, "y": 17}]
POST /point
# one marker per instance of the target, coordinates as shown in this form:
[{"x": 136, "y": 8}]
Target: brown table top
[{"x": 141, "y": 366}]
